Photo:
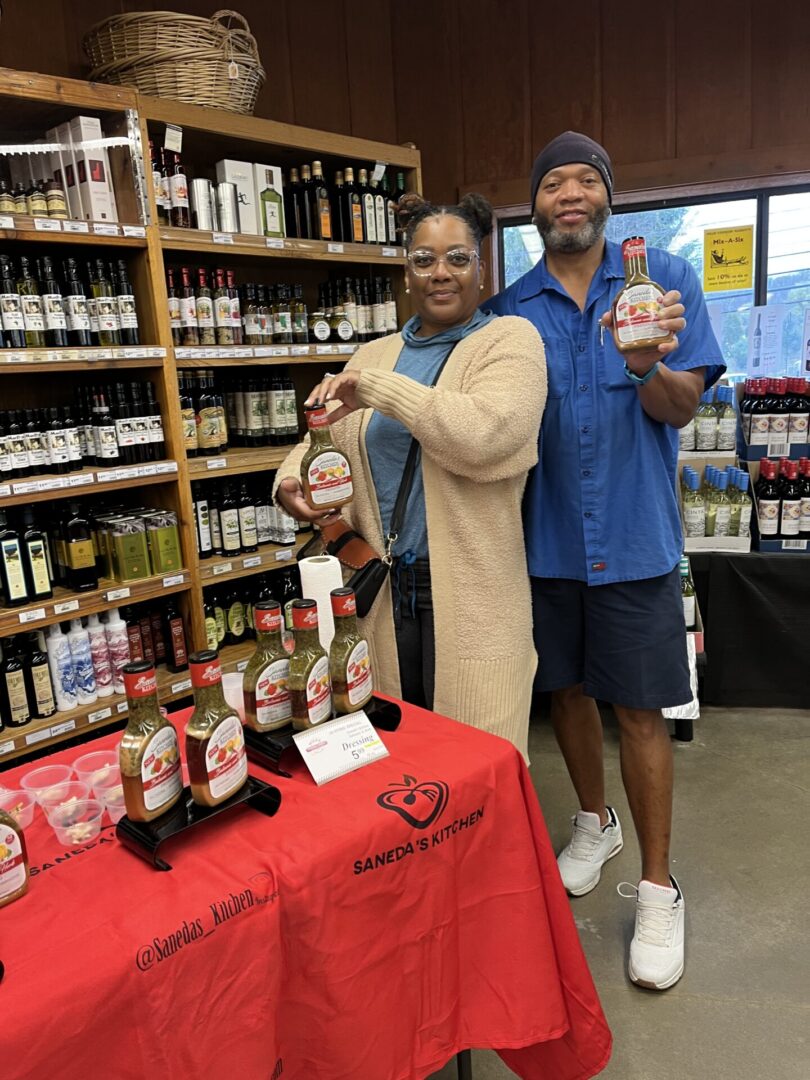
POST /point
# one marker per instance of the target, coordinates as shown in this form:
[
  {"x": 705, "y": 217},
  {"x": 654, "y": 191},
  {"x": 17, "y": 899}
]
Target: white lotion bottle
[
  {"x": 79, "y": 642},
  {"x": 63, "y": 676},
  {"x": 118, "y": 645},
  {"x": 100, "y": 652}
]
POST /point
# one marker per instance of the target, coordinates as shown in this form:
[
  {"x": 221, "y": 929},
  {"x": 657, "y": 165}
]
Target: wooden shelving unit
[{"x": 37, "y": 102}]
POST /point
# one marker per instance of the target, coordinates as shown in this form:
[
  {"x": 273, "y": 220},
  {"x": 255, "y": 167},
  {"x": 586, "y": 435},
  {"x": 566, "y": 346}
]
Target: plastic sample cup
[
  {"x": 77, "y": 822},
  {"x": 47, "y": 776},
  {"x": 95, "y": 769},
  {"x": 61, "y": 794},
  {"x": 21, "y": 806}
]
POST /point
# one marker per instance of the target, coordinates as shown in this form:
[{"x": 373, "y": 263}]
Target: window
[{"x": 783, "y": 222}]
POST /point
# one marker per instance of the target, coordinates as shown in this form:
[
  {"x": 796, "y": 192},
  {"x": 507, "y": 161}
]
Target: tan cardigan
[{"x": 478, "y": 431}]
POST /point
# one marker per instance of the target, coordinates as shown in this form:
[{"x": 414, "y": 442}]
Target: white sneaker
[
  {"x": 580, "y": 862},
  {"x": 656, "y": 951}
]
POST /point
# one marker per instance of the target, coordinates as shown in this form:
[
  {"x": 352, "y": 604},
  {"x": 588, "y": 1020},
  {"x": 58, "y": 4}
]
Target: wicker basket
[{"x": 181, "y": 57}]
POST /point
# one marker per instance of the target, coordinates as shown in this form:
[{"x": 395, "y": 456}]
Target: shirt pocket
[
  {"x": 559, "y": 365},
  {"x": 610, "y": 367}
]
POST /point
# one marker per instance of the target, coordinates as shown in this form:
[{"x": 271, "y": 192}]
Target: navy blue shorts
[{"x": 625, "y": 642}]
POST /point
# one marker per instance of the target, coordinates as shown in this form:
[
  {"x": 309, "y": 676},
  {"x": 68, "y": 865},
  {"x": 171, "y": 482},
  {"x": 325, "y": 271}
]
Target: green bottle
[
  {"x": 33, "y": 315},
  {"x": 694, "y": 508},
  {"x": 718, "y": 507},
  {"x": 706, "y": 423},
  {"x": 726, "y": 419}
]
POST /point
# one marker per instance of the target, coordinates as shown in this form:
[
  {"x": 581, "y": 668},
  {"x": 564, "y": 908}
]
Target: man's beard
[{"x": 572, "y": 243}]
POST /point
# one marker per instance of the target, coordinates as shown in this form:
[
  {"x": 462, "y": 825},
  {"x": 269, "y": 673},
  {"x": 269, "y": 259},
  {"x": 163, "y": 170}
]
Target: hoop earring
[{"x": 407, "y": 289}]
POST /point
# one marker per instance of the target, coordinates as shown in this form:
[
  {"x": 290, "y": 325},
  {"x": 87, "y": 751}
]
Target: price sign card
[{"x": 339, "y": 746}]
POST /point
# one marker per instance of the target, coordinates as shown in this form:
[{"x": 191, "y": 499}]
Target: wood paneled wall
[{"x": 696, "y": 93}]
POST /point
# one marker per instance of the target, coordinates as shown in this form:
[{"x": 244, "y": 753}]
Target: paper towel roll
[{"x": 319, "y": 575}]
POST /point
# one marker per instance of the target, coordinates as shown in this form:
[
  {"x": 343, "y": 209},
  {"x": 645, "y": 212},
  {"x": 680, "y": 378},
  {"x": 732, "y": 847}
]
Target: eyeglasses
[{"x": 424, "y": 263}]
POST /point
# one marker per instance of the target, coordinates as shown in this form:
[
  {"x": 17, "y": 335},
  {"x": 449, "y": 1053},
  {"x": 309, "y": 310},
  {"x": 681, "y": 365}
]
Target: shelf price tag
[
  {"x": 379, "y": 169},
  {"x": 121, "y": 707},
  {"x": 6, "y": 222},
  {"x": 222, "y": 237},
  {"x": 339, "y": 746},
  {"x": 81, "y": 481},
  {"x": 50, "y": 485},
  {"x": 223, "y": 568},
  {"x": 26, "y": 488},
  {"x": 44, "y": 224},
  {"x": 173, "y": 139},
  {"x": 300, "y": 350},
  {"x": 389, "y": 253},
  {"x": 34, "y": 615},
  {"x": 117, "y": 594},
  {"x": 63, "y": 728},
  {"x": 173, "y": 579},
  {"x": 6, "y": 747},
  {"x": 284, "y": 556},
  {"x": 216, "y": 463},
  {"x": 276, "y": 242},
  {"x": 254, "y": 560},
  {"x": 135, "y": 231},
  {"x": 324, "y": 350},
  {"x": 38, "y": 736},
  {"x": 335, "y": 249},
  {"x": 166, "y": 467},
  {"x": 179, "y": 687},
  {"x": 75, "y": 227},
  {"x": 105, "y": 228},
  {"x": 241, "y": 665},
  {"x": 65, "y": 607},
  {"x": 99, "y": 714},
  {"x": 5, "y": 490}
]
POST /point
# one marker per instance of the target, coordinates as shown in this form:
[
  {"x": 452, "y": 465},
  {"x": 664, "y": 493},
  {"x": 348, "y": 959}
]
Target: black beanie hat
[{"x": 568, "y": 149}]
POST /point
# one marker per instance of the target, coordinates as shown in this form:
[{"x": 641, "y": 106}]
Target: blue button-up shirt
[{"x": 601, "y": 504}]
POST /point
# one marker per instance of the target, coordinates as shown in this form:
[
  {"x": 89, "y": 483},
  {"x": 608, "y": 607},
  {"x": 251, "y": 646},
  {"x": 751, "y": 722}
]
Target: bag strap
[{"x": 412, "y": 460}]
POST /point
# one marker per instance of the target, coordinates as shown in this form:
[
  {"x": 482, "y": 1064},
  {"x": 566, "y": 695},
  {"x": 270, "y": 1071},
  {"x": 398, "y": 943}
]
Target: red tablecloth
[{"x": 338, "y": 940}]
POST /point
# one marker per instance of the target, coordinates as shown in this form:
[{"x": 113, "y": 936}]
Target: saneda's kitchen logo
[{"x": 420, "y": 804}]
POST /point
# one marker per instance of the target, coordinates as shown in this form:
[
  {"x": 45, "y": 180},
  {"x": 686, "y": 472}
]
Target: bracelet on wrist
[{"x": 640, "y": 380}]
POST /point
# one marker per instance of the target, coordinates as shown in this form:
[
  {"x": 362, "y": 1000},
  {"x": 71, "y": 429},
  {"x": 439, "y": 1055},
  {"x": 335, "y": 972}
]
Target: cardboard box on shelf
[
  {"x": 771, "y": 545},
  {"x": 70, "y": 173},
  {"x": 93, "y": 167},
  {"x": 699, "y": 461},
  {"x": 756, "y": 452},
  {"x": 240, "y": 173}
]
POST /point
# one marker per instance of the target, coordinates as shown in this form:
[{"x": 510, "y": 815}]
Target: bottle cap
[
  {"x": 206, "y": 669},
  {"x": 344, "y": 602},
  {"x": 305, "y": 615},
  {"x": 721, "y": 481},
  {"x": 139, "y": 679},
  {"x": 267, "y": 616},
  {"x": 316, "y": 416}
]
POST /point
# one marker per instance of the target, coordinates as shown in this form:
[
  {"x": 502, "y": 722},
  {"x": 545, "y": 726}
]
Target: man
[{"x": 603, "y": 531}]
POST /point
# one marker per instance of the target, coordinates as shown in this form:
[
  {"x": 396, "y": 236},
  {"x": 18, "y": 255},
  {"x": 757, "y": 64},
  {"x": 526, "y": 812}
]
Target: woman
[{"x": 451, "y": 630}]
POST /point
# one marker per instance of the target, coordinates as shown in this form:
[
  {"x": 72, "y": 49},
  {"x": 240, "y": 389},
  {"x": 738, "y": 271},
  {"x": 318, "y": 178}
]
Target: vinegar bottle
[
  {"x": 148, "y": 753},
  {"x": 267, "y": 697},
  {"x": 636, "y": 307},
  {"x": 326, "y": 476},
  {"x": 215, "y": 743}
]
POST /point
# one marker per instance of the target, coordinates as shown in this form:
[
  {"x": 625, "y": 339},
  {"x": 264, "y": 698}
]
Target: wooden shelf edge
[
  {"x": 31, "y": 367},
  {"x": 92, "y": 601},
  {"x": 207, "y": 568},
  {"x": 94, "y": 486},
  {"x": 259, "y": 361},
  {"x": 197, "y": 240},
  {"x": 238, "y": 460},
  {"x": 24, "y": 229},
  {"x": 58, "y": 90},
  {"x": 67, "y": 725}
]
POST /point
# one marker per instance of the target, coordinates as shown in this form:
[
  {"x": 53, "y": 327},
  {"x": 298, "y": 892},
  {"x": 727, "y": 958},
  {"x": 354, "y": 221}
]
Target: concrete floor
[{"x": 740, "y": 852}]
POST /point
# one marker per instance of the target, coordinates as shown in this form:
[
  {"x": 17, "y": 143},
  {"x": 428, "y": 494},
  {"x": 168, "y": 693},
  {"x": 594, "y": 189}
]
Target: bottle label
[
  {"x": 107, "y": 314},
  {"x": 178, "y": 191},
  {"x": 161, "y": 777},
  {"x": 35, "y": 444},
  {"x": 282, "y": 322},
  {"x": 319, "y": 693},
  {"x": 220, "y": 617},
  {"x": 268, "y": 622},
  {"x": 797, "y": 429},
  {"x": 154, "y": 427},
  {"x": 33, "y": 317},
  {"x": 189, "y": 429},
  {"x": 11, "y": 310},
  {"x": 760, "y": 426},
  {"x": 5, "y": 457},
  {"x": 14, "y": 572},
  {"x": 83, "y": 667},
  {"x": 391, "y": 314},
  {"x": 55, "y": 201},
  {"x": 236, "y": 313},
  {"x": 726, "y": 432},
  {"x": 205, "y": 311},
  {"x": 74, "y": 444},
  {"x": 19, "y": 452},
  {"x": 80, "y": 554},
  {"x": 358, "y": 674},
  {"x": 768, "y": 511},
  {"x": 273, "y": 702},
  {"x": 106, "y": 441},
  {"x": 345, "y": 330},
  {"x": 37, "y": 204},
  {"x": 222, "y": 312},
  {"x": 263, "y": 532},
  {"x": 253, "y": 324},
  {"x": 370, "y": 218},
  {"x": 320, "y": 330},
  {"x": 208, "y": 431},
  {"x": 357, "y": 222},
  {"x": 637, "y": 314},
  {"x": 92, "y": 314},
  {"x": 207, "y": 673},
  {"x": 13, "y": 871},
  {"x": 804, "y": 514},
  {"x": 778, "y": 426},
  {"x": 162, "y": 190},
  {"x": 378, "y": 318},
  {"x": 188, "y": 311},
  {"x": 140, "y": 685},
  {"x": 225, "y": 759},
  {"x": 174, "y": 312},
  {"x": 247, "y": 525},
  {"x": 38, "y": 563},
  {"x": 17, "y": 698},
  {"x": 303, "y": 618},
  {"x": 125, "y": 431},
  {"x": 127, "y": 313},
  {"x": 43, "y": 691},
  {"x": 211, "y": 636},
  {"x": 272, "y": 218},
  {"x": 236, "y": 619},
  {"x": 101, "y": 659},
  {"x": 744, "y": 528},
  {"x": 76, "y": 313},
  {"x": 58, "y": 447},
  {"x": 722, "y": 520},
  {"x": 344, "y": 605},
  {"x": 694, "y": 519},
  {"x": 706, "y": 427},
  {"x": 53, "y": 312},
  {"x": 382, "y": 221},
  {"x": 791, "y": 516},
  {"x": 689, "y": 611},
  {"x": 178, "y": 642},
  {"x": 329, "y": 478}
]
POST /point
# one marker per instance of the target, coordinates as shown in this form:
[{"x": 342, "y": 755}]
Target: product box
[
  {"x": 70, "y": 173},
  {"x": 164, "y": 541},
  {"x": 269, "y": 185},
  {"x": 781, "y": 449},
  {"x": 768, "y": 544},
  {"x": 699, "y": 461},
  {"x": 130, "y": 549},
  {"x": 93, "y": 170},
  {"x": 240, "y": 173},
  {"x": 698, "y": 632}
]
